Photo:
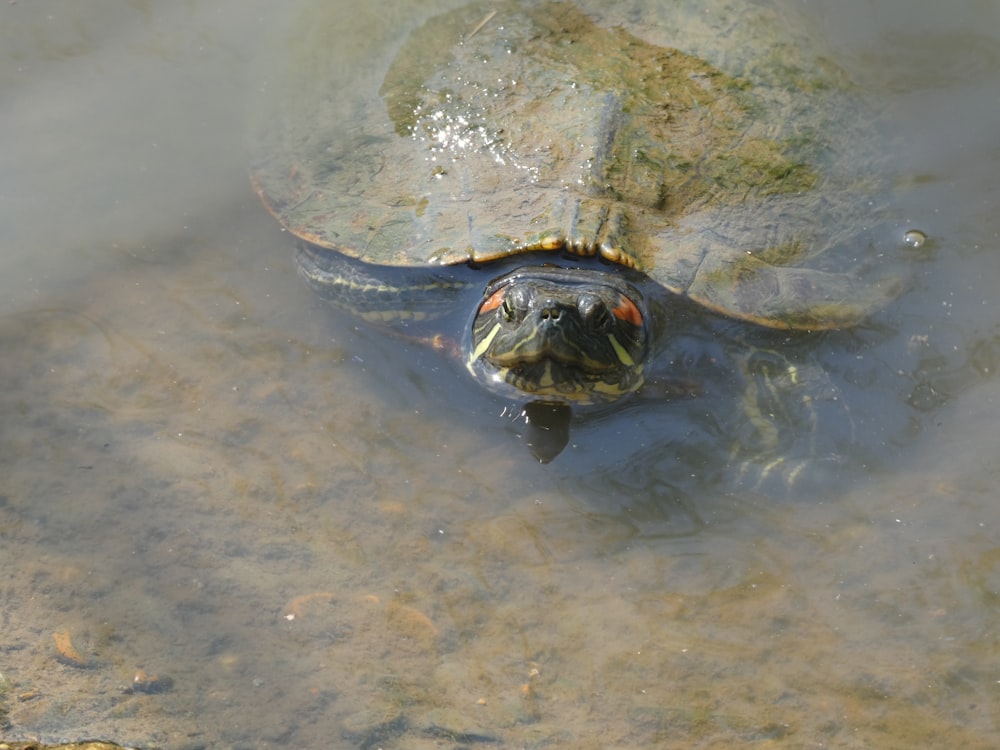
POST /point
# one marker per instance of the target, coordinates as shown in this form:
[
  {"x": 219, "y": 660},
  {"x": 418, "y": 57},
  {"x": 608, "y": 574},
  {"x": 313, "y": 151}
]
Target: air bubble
[{"x": 914, "y": 238}]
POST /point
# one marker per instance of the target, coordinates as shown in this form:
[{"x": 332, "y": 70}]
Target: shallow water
[{"x": 297, "y": 533}]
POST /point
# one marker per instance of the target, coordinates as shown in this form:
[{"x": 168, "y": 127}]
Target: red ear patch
[
  {"x": 494, "y": 300},
  {"x": 627, "y": 311}
]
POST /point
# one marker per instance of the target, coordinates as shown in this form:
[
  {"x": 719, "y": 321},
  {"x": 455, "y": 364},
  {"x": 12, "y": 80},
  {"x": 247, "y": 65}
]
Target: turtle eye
[
  {"x": 515, "y": 304},
  {"x": 507, "y": 308},
  {"x": 593, "y": 311}
]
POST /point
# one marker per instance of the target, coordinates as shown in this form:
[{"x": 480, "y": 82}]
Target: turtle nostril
[{"x": 550, "y": 312}]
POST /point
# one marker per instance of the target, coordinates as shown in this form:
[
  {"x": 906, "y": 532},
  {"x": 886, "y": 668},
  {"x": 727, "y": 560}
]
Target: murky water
[{"x": 230, "y": 519}]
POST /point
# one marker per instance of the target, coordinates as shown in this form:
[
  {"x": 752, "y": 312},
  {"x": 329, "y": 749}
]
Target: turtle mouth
[
  {"x": 568, "y": 334},
  {"x": 552, "y": 351}
]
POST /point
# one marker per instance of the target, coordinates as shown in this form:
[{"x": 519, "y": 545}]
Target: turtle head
[{"x": 571, "y": 335}]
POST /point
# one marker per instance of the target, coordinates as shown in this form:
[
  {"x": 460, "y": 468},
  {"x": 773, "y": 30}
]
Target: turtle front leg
[{"x": 795, "y": 427}]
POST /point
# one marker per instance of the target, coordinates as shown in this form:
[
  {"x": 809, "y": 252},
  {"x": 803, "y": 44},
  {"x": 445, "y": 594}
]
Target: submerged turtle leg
[
  {"x": 382, "y": 294},
  {"x": 789, "y": 409}
]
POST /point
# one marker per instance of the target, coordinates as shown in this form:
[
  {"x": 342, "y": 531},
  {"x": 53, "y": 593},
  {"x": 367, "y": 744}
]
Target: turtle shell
[{"x": 708, "y": 144}]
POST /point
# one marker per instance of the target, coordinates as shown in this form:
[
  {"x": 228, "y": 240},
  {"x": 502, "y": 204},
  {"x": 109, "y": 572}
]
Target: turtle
[{"x": 542, "y": 182}]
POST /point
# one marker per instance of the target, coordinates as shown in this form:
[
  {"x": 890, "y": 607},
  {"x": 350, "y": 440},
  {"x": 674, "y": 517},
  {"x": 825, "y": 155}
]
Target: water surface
[{"x": 294, "y": 532}]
